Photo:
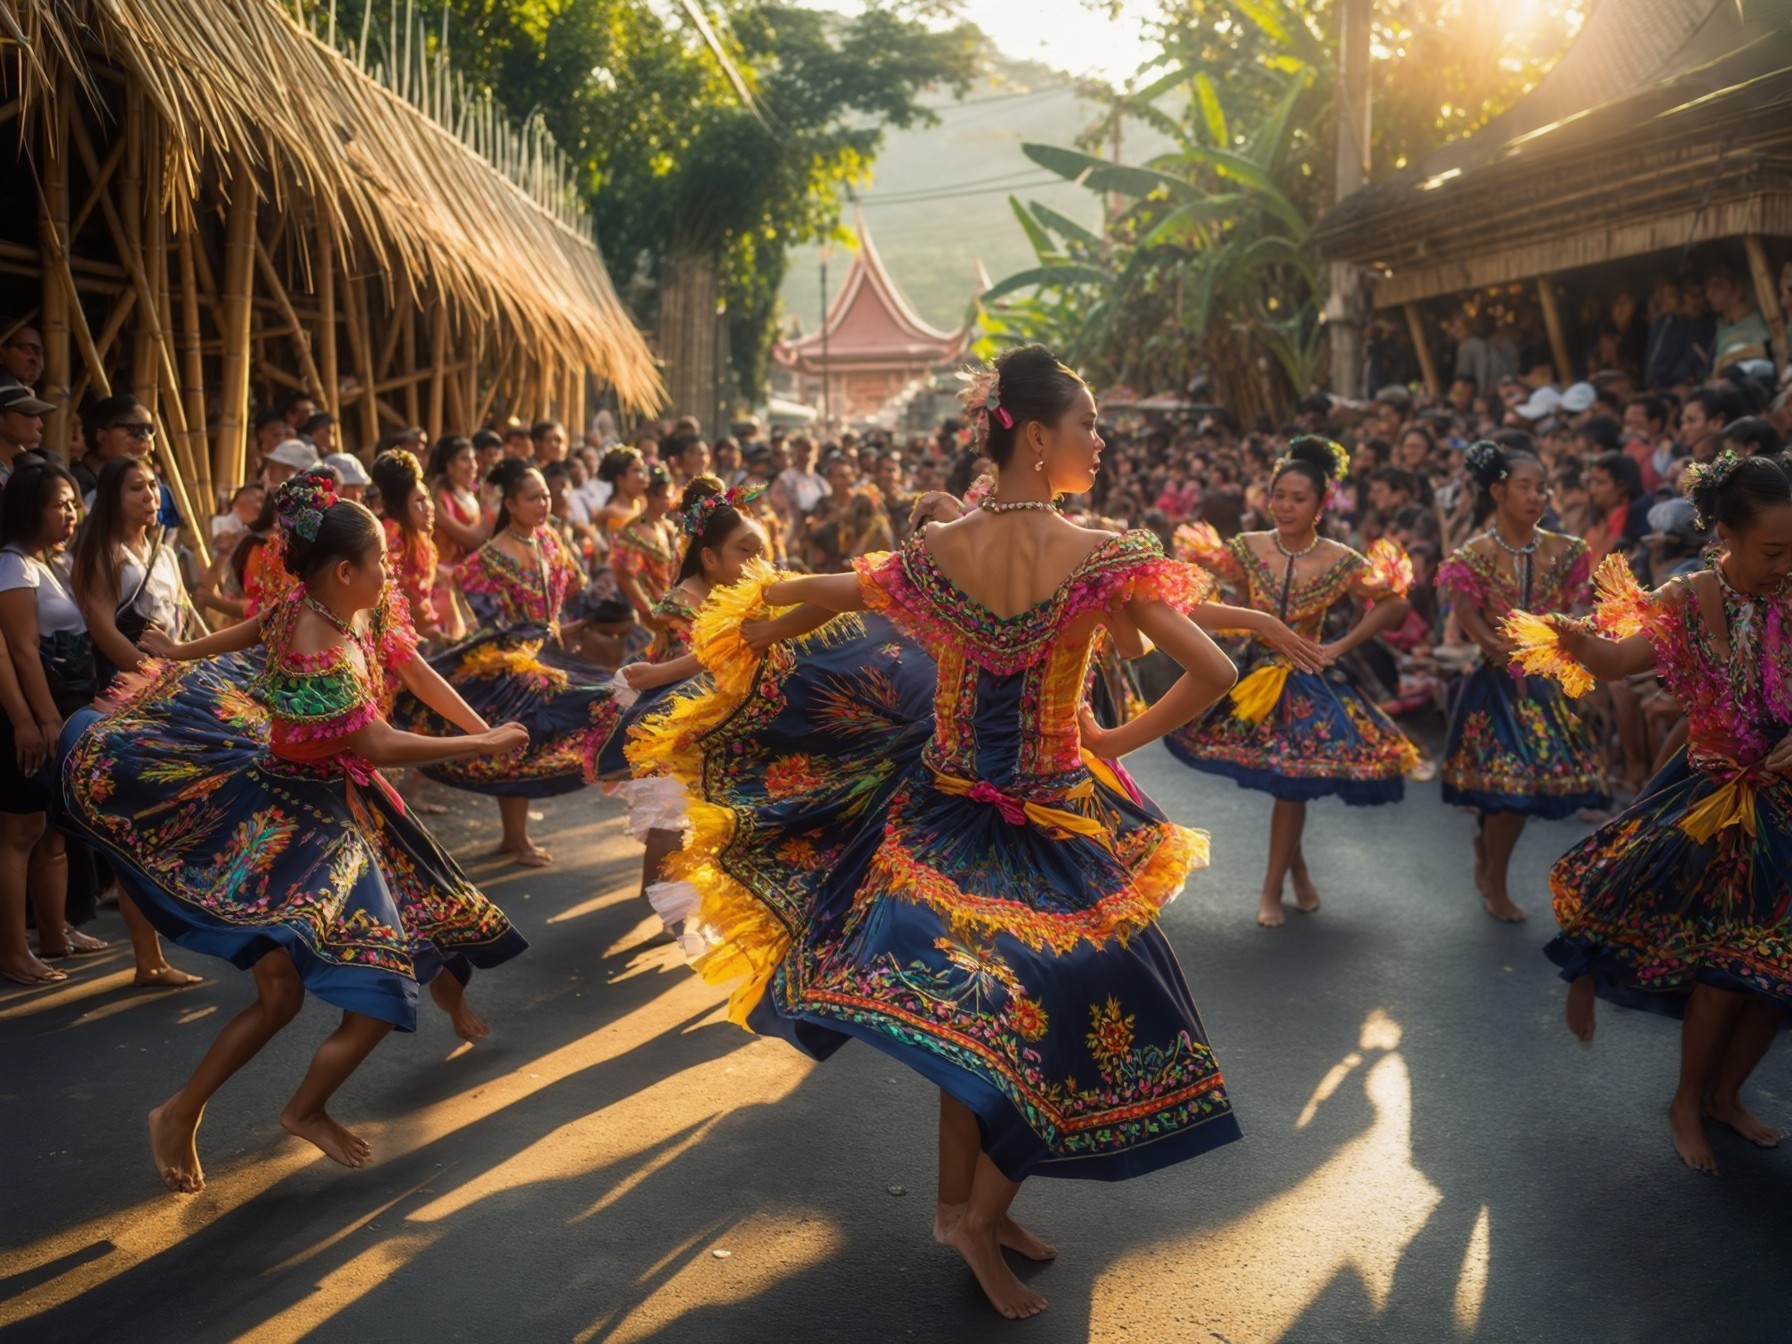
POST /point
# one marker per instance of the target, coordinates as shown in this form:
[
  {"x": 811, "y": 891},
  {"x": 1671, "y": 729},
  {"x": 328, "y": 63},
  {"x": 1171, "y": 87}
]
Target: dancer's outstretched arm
[
  {"x": 383, "y": 745},
  {"x": 836, "y": 592},
  {"x": 1207, "y": 674},
  {"x": 236, "y": 638},
  {"x": 424, "y": 682},
  {"x": 1303, "y": 653},
  {"x": 1607, "y": 659}
]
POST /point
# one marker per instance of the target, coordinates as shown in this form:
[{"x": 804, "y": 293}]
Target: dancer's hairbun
[
  {"x": 1732, "y": 489},
  {"x": 1487, "y": 463}
]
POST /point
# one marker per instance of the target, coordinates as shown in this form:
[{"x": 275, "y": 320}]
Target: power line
[
  {"x": 975, "y": 191},
  {"x": 954, "y": 186},
  {"x": 997, "y": 98}
]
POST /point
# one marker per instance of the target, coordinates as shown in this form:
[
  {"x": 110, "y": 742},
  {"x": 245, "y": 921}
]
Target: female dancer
[
  {"x": 1679, "y": 904},
  {"x": 1517, "y": 748},
  {"x": 644, "y": 554},
  {"x": 409, "y": 522},
  {"x": 513, "y": 671},
  {"x": 1296, "y": 734},
  {"x": 933, "y": 863},
  {"x": 624, "y": 471},
  {"x": 459, "y": 525},
  {"x": 290, "y": 857}
]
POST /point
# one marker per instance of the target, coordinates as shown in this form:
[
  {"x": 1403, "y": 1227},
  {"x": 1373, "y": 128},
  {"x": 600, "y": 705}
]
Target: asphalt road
[{"x": 1429, "y": 1155}]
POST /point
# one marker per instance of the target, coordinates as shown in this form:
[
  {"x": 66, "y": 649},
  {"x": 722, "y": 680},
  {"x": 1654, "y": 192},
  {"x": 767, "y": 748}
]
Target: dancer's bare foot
[
  {"x": 164, "y": 977},
  {"x": 1502, "y": 909},
  {"x": 1009, "y": 1234},
  {"x": 1730, "y": 1111},
  {"x": 174, "y": 1148},
  {"x": 532, "y": 855},
  {"x": 337, "y": 1143},
  {"x": 978, "y": 1245},
  {"x": 1688, "y": 1131},
  {"x": 1581, "y": 1005},
  {"x": 451, "y": 997},
  {"x": 1306, "y": 895},
  {"x": 73, "y": 943},
  {"x": 1269, "y": 912},
  {"x": 28, "y": 970}
]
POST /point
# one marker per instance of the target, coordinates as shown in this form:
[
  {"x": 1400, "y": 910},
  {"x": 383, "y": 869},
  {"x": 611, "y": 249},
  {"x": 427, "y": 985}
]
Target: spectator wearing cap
[
  {"x": 21, "y": 425},
  {"x": 284, "y": 461},
  {"x": 1540, "y": 405},
  {"x": 352, "y": 477},
  {"x": 1674, "y": 540},
  {"x": 21, "y": 354},
  {"x": 1741, "y": 331},
  {"x": 298, "y": 408},
  {"x": 1752, "y": 436},
  {"x": 1578, "y": 399},
  {"x": 320, "y": 431}
]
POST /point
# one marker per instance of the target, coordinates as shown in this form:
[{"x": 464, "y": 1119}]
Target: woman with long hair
[
  {"x": 407, "y": 514},
  {"x": 1517, "y": 748},
  {"x": 936, "y": 857},
  {"x": 223, "y": 865},
  {"x": 127, "y": 584},
  {"x": 644, "y": 554},
  {"x": 459, "y": 523},
  {"x": 515, "y": 668},
  {"x": 1294, "y": 733}
]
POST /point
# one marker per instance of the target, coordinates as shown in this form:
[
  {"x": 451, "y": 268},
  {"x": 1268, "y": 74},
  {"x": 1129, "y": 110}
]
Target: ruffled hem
[
  {"x": 655, "y": 803},
  {"x": 1542, "y": 806},
  {"x": 1296, "y": 788}
]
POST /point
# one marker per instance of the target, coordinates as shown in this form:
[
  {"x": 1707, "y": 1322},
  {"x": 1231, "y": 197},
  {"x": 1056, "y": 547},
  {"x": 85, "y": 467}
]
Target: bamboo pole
[
  {"x": 360, "y": 345},
  {"x": 1767, "y": 296},
  {"x": 130, "y": 212},
  {"x": 412, "y": 402},
  {"x": 1415, "y": 326},
  {"x": 1552, "y": 323},
  {"x": 162, "y": 334},
  {"x": 323, "y": 281},
  {"x": 193, "y": 367},
  {"x": 228, "y": 444},
  {"x": 300, "y": 340},
  {"x": 438, "y": 361},
  {"x": 121, "y": 313},
  {"x": 453, "y": 385},
  {"x": 52, "y": 223}
]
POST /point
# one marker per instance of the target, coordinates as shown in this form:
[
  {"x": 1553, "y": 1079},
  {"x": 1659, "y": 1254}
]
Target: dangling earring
[{"x": 1039, "y": 465}]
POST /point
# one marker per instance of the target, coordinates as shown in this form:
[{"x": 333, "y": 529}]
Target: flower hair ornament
[
  {"x": 1339, "y": 457},
  {"x": 695, "y": 519},
  {"x": 300, "y": 505},
  {"x": 1482, "y": 455},
  {"x": 982, "y": 400},
  {"x": 1705, "y": 479}
]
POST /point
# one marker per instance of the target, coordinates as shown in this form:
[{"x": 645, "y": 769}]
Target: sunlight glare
[{"x": 1471, "y": 1284}]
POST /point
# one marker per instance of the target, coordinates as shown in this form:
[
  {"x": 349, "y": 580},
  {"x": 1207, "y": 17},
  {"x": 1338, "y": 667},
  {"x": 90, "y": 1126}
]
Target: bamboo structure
[{"x": 221, "y": 208}]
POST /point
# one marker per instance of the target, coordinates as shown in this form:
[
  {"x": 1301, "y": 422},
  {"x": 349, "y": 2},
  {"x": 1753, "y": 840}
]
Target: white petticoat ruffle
[
  {"x": 676, "y": 905},
  {"x": 656, "y": 803}
]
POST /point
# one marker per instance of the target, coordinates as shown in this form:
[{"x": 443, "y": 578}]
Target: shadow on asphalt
[{"x": 1425, "y": 1156}]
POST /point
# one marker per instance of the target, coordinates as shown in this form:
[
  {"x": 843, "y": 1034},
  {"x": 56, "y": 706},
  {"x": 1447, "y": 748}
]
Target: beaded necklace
[
  {"x": 1288, "y": 574},
  {"x": 1521, "y": 561},
  {"x": 1742, "y": 623},
  {"x": 1019, "y": 505},
  {"x": 342, "y": 626}
]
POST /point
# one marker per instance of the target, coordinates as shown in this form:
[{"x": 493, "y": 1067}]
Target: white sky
[{"x": 1065, "y": 34}]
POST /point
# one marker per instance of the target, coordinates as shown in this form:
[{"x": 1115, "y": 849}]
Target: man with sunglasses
[
  {"x": 21, "y": 354},
  {"x": 121, "y": 426}
]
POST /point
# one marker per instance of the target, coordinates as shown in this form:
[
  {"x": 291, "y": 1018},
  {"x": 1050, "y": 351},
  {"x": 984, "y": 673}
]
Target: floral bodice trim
[
  {"x": 640, "y": 551},
  {"x": 1486, "y": 577},
  {"x": 1736, "y": 708},
  {"x": 1385, "y": 572},
  {"x": 271, "y": 581},
  {"x": 505, "y": 592},
  {"x": 908, "y": 587},
  {"x": 678, "y": 609},
  {"x": 412, "y": 561},
  {"x": 338, "y": 690}
]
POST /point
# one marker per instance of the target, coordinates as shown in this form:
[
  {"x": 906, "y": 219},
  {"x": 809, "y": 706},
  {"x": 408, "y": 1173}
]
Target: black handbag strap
[{"x": 149, "y": 568}]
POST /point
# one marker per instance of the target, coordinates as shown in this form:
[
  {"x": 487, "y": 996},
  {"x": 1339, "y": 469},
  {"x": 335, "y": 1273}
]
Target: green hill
[{"x": 938, "y": 199}]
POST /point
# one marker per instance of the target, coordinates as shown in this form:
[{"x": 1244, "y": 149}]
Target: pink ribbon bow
[{"x": 985, "y": 792}]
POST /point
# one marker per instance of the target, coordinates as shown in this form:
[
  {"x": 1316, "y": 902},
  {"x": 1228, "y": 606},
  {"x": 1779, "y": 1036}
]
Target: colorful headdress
[
  {"x": 1486, "y": 462},
  {"x": 300, "y": 505},
  {"x": 696, "y": 518},
  {"x": 1703, "y": 480},
  {"x": 982, "y": 399},
  {"x": 1324, "y": 456}
]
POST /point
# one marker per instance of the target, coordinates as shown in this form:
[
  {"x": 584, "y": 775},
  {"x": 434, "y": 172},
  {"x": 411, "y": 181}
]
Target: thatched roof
[
  {"x": 1666, "y": 124},
  {"x": 241, "y": 82}
]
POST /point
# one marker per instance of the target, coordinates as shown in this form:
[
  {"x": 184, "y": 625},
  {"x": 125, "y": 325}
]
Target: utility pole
[{"x": 1346, "y": 308}]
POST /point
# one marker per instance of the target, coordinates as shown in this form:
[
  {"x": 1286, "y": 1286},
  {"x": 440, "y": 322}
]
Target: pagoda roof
[{"x": 871, "y": 321}]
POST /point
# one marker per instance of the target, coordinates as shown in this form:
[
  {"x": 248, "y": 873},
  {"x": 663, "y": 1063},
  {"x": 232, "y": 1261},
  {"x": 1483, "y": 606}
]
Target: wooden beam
[
  {"x": 1552, "y": 323},
  {"x": 300, "y": 340},
  {"x": 107, "y": 169},
  {"x": 193, "y": 369},
  {"x": 1767, "y": 296},
  {"x": 121, "y": 313},
  {"x": 438, "y": 366},
  {"x": 360, "y": 350},
  {"x": 52, "y": 233},
  {"x": 230, "y": 438},
  {"x": 323, "y": 284},
  {"x": 1415, "y": 326},
  {"x": 413, "y": 407}
]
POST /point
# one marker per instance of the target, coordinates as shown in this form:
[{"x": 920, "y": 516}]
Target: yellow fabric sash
[
  {"x": 1733, "y": 804},
  {"x": 1257, "y": 694},
  {"x": 1018, "y": 812}
]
